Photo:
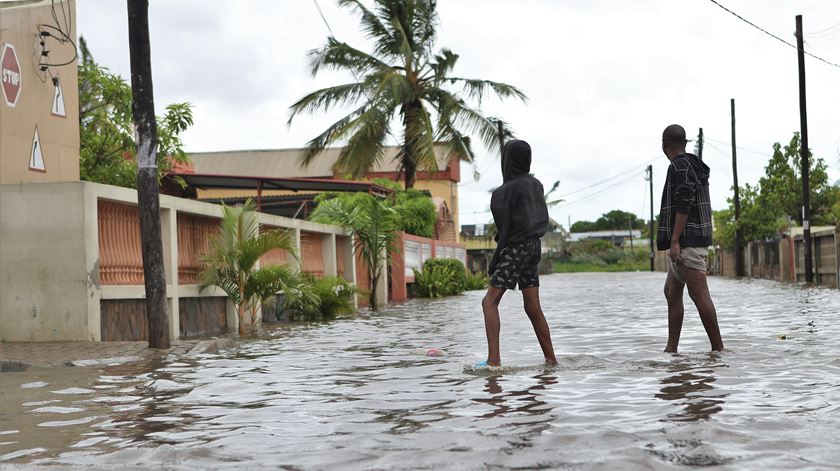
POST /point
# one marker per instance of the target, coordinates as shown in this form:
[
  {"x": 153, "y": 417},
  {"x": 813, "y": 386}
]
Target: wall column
[{"x": 399, "y": 291}]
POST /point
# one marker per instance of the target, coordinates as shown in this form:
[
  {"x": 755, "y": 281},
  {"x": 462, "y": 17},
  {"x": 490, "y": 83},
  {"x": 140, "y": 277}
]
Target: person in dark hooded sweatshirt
[
  {"x": 521, "y": 218},
  {"x": 685, "y": 231}
]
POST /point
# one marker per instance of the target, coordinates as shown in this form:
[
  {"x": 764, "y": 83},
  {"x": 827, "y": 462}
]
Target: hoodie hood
[
  {"x": 516, "y": 159},
  {"x": 701, "y": 169}
]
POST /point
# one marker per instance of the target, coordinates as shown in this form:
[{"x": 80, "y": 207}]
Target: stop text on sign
[{"x": 10, "y": 76}]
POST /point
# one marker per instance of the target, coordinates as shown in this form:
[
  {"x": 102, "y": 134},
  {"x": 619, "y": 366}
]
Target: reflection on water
[
  {"x": 692, "y": 390},
  {"x": 353, "y": 394},
  {"x": 529, "y": 400}
]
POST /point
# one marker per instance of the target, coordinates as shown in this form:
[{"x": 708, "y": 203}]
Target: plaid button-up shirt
[{"x": 686, "y": 192}]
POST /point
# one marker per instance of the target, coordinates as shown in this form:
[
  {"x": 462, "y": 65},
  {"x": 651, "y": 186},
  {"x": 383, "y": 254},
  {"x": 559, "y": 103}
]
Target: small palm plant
[
  {"x": 231, "y": 262},
  {"x": 373, "y": 226}
]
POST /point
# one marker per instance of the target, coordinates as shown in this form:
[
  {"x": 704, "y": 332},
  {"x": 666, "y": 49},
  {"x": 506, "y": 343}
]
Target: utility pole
[
  {"x": 739, "y": 260},
  {"x": 700, "y": 144},
  {"x": 630, "y": 229},
  {"x": 145, "y": 134},
  {"x": 652, "y": 248},
  {"x": 803, "y": 148}
]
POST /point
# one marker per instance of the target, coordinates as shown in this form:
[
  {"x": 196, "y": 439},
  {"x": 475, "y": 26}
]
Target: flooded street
[{"x": 354, "y": 394}]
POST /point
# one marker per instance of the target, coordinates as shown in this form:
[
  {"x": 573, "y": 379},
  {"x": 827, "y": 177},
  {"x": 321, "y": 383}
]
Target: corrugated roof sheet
[{"x": 285, "y": 163}]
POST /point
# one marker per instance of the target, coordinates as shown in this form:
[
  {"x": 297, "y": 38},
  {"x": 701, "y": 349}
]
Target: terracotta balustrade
[
  {"x": 194, "y": 234},
  {"x": 276, "y": 256},
  {"x": 312, "y": 257},
  {"x": 120, "y": 259}
]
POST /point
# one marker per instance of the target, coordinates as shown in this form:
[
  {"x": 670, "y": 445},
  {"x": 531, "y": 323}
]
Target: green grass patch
[
  {"x": 600, "y": 256},
  {"x": 582, "y": 267}
]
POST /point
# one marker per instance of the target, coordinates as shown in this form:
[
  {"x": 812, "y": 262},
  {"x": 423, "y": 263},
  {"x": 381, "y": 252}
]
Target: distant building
[
  {"x": 441, "y": 182},
  {"x": 618, "y": 237},
  {"x": 480, "y": 242}
]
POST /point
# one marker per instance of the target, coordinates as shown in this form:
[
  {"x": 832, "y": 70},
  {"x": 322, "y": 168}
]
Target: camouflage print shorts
[{"x": 517, "y": 264}]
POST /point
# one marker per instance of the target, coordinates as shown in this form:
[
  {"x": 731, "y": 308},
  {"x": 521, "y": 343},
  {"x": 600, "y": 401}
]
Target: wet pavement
[{"x": 355, "y": 394}]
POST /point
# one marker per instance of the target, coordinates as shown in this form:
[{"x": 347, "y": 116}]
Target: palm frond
[
  {"x": 461, "y": 116},
  {"x": 371, "y": 24},
  {"x": 422, "y": 142},
  {"x": 337, "y": 55},
  {"x": 478, "y": 89},
  {"x": 326, "y": 99},
  {"x": 366, "y": 146},
  {"x": 442, "y": 64}
]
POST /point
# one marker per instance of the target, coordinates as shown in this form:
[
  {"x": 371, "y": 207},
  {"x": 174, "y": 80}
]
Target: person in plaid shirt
[{"x": 685, "y": 231}]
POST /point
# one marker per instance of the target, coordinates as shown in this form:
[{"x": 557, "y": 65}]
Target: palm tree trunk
[
  {"x": 411, "y": 121},
  {"x": 241, "y": 307},
  {"x": 374, "y": 282}
]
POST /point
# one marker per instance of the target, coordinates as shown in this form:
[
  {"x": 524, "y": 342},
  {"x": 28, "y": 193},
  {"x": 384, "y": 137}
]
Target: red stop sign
[{"x": 10, "y": 75}]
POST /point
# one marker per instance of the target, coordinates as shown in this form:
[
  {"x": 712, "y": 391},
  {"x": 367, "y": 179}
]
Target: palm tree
[
  {"x": 554, "y": 202},
  {"x": 402, "y": 75},
  {"x": 231, "y": 262},
  {"x": 373, "y": 226}
]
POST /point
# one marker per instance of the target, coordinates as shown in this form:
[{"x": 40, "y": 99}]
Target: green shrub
[
  {"x": 321, "y": 298},
  {"x": 441, "y": 277},
  {"x": 458, "y": 269},
  {"x": 476, "y": 281},
  {"x": 612, "y": 256},
  {"x": 588, "y": 258},
  {"x": 415, "y": 212},
  {"x": 590, "y": 246}
]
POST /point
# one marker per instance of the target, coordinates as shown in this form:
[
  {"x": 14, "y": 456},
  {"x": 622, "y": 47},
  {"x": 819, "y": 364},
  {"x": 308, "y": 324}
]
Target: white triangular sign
[
  {"x": 58, "y": 101},
  {"x": 36, "y": 159}
]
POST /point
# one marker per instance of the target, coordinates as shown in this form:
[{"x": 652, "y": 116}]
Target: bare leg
[
  {"x": 674, "y": 296},
  {"x": 531, "y": 297},
  {"x": 490, "y": 305},
  {"x": 698, "y": 290}
]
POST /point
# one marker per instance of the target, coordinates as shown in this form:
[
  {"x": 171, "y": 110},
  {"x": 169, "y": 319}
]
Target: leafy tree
[
  {"x": 106, "y": 131},
  {"x": 611, "y": 221},
  {"x": 781, "y": 186},
  {"x": 415, "y": 213},
  {"x": 400, "y": 77},
  {"x": 373, "y": 225},
  {"x": 776, "y": 201},
  {"x": 231, "y": 263}
]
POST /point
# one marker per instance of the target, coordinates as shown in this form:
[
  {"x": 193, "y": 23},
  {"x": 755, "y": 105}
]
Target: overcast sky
[{"x": 603, "y": 79}]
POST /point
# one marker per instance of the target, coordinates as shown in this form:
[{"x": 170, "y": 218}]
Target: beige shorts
[{"x": 694, "y": 258}]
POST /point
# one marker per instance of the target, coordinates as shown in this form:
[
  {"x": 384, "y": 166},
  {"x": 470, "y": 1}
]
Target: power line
[
  {"x": 323, "y": 18},
  {"x": 771, "y": 34},
  {"x": 765, "y": 154},
  {"x": 599, "y": 192},
  {"x": 822, "y": 32},
  {"x": 634, "y": 168}
]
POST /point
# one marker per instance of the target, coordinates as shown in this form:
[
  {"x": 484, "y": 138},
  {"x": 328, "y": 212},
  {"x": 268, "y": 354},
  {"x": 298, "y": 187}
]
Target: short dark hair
[{"x": 674, "y": 134}]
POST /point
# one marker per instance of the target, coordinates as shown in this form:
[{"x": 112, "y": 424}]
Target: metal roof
[
  {"x": 205, "y": 180},
  {"x": 285, "y": 163}
]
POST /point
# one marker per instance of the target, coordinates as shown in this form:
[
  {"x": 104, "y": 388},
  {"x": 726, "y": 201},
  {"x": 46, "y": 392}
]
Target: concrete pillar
[
  {"x": 382, "y": 288},
  {"x": 169, "y": 232},
  {"x": 329, "y": 254},
  {"x": 837, "y": 254},
  {"x": 298, "y": 248},
  {"x": 91, "y": 247},
  {"x": 399, "y": 291},
  {"x": 350, "y": 266}
]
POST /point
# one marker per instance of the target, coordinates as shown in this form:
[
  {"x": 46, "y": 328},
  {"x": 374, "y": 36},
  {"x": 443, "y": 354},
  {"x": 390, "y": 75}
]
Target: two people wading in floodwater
[{"x": 521, "y": 217}]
